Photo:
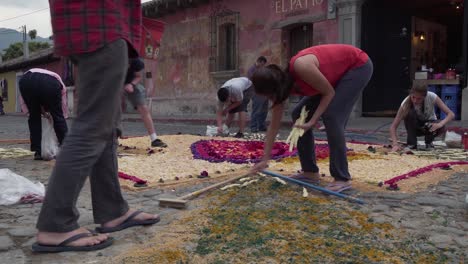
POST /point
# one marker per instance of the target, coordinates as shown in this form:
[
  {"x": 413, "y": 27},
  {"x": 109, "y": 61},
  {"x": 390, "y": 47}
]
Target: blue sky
[{"x": 39, "y": 21}]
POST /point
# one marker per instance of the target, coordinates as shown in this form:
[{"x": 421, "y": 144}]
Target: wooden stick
[
  {"x": 181, "y": 202},
  {"x": 15, "y": 141},
  {"x": 318, "y": 188}
]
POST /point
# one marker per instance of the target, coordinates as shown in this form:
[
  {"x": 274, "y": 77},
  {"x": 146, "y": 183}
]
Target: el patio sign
[{"x": 285, "y": 6}]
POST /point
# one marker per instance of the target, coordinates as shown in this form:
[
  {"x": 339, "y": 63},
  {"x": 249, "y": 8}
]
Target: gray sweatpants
[
  {"x": 335, "y": 118},
  {"x": 90, "y": 149}
]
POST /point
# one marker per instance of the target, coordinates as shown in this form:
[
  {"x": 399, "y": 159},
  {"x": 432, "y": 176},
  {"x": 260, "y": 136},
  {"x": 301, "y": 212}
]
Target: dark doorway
[
  {"x": 387, "y": 39},
  {"x": 301, "y": 37}
]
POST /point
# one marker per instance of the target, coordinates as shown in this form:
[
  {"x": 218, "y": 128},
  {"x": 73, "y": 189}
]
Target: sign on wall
[
  {"x": 287, "y": 6},
  {"x": 4, "y": 89}
]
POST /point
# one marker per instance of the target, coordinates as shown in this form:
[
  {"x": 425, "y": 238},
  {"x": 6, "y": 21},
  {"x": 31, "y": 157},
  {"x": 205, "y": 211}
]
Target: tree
[
  {"x": 35, "y": 46},
  {"x": 15, "y": 50},
  {"x": 32, "y": 34}
]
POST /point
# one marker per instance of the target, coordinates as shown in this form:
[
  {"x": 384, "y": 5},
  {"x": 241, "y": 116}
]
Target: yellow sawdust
[
  {"x": 174, "y": 161},
  {"x": 12, "y": 153},
  {"x": 177, "y": 161}
]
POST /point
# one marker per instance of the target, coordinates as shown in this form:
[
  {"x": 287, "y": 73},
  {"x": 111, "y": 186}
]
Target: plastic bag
[
  {"x": 49, "y": 143},
  {"x": 15, "y": 187},
  {"x": 453, "y": 140},
  {"x": 212, "y": 131}
]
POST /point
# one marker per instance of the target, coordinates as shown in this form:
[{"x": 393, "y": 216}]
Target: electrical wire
[{"x": 36, "y": 11}]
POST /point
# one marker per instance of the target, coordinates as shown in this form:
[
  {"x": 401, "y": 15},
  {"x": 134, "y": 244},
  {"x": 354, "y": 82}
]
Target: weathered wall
[{"x": 183, "y": 84}]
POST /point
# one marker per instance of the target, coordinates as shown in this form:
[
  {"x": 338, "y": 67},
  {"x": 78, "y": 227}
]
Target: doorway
[
  {"x": 387, "y": 40},
  {"x": 401, "y": 36},
  {"x": 300, "y": 37},
  {"x": 17, "y": 92}
]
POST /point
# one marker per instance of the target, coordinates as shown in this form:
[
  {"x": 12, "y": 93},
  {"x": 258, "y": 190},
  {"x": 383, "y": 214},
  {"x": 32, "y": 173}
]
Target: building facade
[{"x": 209, "y": 41}]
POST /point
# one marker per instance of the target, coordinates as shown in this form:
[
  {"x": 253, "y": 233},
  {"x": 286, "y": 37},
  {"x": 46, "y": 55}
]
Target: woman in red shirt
[{"x": 331, "y": 78}]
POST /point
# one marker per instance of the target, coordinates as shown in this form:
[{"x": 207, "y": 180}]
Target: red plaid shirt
[{"x": 84, "y": 26}]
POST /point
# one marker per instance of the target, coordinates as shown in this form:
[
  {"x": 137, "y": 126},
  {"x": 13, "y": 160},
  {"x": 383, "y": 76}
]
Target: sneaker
[
  {"x": 409, "y": 149},
  {"x": 158, "y": 143},
  {"x": 430, "y": 146},
  {"x": 119, "y": 132},
  {"x": 37, "y": 156},
  {"x": 239, "y": 135},
  {"x": 263, "y": 129},
  {"x": 254, "y": 130}
]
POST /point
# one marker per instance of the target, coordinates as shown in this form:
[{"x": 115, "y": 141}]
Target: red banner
[{"x": 152, "y": 32}]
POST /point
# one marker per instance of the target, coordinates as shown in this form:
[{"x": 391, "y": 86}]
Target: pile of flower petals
[{"x": 237, "y": 151}]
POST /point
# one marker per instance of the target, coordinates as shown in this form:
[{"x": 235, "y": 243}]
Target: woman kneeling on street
[{"x": 417, "y": 111}]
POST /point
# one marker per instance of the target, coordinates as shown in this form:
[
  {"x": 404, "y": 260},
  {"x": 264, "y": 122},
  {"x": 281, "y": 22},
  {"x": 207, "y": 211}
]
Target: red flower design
[
  {"x": 394, "y": 180},
  {"x": 246, "y": 151}
]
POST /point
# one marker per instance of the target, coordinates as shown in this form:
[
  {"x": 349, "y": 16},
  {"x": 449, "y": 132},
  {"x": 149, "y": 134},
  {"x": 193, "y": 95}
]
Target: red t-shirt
[{"x": 334, "y": 60}]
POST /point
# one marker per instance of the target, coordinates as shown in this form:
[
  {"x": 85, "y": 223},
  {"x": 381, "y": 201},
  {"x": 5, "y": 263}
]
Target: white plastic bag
[
  {"x": 14, "y": 187},
  {"x": 49, "y": 143},
  {"x": 453, "y": 140},
  {"x": 212, "y": 131}
]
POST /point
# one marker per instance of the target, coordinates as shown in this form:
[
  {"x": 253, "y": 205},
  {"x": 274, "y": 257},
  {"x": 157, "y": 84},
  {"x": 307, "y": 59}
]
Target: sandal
[
  {"x": 63, "y": 247},
  {"x": 129, "y": 222},
  {"x": 302, "y": 178},
  {"x": 338, "y": 186}
]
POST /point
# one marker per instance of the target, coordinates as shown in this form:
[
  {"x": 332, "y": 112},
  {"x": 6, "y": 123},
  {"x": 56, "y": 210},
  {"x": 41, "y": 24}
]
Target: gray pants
[
  {"x": 259, "y": 113},
  {"x": 335, "y": 118},
  {"x": 90, "y": 148}
]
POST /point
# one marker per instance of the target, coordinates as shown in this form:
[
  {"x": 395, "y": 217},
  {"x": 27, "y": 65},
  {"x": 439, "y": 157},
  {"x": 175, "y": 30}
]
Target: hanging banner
[{"x": 152, "y": 33}]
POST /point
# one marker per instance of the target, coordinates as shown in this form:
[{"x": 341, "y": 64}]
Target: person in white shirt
[
  {"x": 417, "y": 111},
  {"x": 234, "y": 97}
]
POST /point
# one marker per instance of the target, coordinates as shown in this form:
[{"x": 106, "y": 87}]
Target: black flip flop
[
  {"x": 341, "y": 187},
  {"x": 62, "y": 247},
  {"x": 302, "y": 178},
  {"x": 129, "y": 222}
]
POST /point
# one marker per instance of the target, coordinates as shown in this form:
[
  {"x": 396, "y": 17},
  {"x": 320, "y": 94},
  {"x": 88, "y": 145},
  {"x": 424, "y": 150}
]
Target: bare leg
[
  {"x": 242, "y": 118},
  {"x": 147, "y": 119},
  {"x": 229, "y": 119}
]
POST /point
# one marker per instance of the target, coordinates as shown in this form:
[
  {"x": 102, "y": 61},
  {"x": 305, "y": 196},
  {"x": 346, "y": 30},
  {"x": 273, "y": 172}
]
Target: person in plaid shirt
[{"x": 99, "y": 36}]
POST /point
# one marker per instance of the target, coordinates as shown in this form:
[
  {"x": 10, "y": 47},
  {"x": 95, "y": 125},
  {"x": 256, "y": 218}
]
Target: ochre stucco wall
[{"x": 10, "y": 103}]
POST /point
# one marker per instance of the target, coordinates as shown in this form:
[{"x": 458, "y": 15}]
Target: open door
[
  {"x": 300, "y": 37},
  {"x": 386, "y": 37}
]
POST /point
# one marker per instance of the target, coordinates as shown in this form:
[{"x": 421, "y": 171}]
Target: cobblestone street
[{"x": 438, "y": 214}]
